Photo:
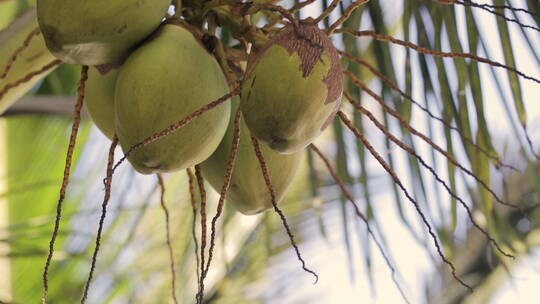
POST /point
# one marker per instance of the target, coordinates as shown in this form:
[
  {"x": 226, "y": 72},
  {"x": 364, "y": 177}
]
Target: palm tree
[{"x": 429, "y": 167}]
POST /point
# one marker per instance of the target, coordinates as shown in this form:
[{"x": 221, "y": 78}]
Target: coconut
[
  {"x": 99, "y": 99},
  {"x": 293, "y": 88},
  {"x": 97, "y": 32},
  {"x": 162, "y": 82},
  {"x": 248, "y": 192}
]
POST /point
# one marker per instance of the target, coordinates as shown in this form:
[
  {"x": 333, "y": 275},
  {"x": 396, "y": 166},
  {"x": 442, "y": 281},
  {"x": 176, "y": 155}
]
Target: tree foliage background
[{"x": 254, "y": 261}]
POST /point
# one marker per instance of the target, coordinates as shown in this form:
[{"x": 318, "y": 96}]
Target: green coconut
[
  {"x": 293, "y": 88},
  {"x": 162, "y": 82},
  {"x": 97, "y": 32},
  {"x": 248, "y": 192},
  {"x": 99, "y": 99}
]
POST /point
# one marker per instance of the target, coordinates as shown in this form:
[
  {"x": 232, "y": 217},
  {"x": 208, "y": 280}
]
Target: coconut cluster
[{"x": 147, "y": 74}]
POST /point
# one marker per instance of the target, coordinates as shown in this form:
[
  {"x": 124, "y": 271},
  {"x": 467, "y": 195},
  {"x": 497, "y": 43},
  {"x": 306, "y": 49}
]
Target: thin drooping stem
[
  {"x": 409, "y": 150},
  {"x": 177, "y": 125},
  {"x": 426, "y": 139},
  {"x": 106, "y": 198},
  {"x": 177, "y": 8},
  {"x": 65, "y": 179},
  {"x": 28, "y": 77},
  {"x": 268, "y": 182},
  {"x": 346, "y": 15},
  {"x": 7, "y": 68},
  {"x": 491, "y": 9},
  {"x": 398, "y": 182},
  {"x": 300, "y": 5},
  {"x": 202, "y": 192},
  {"x": 508, "y": 7},
  {"x": 407, "y": 97},
  {"x": 327, "y": 11},
  {"x": 191, "y": 178},
  {"x": 276, "y": 8},
  {"x": 428, "y": 51},
  {"x": 362, "y": 216},
  {"x": 168, "y": 237},
  {"x": 225, "y": 188}
]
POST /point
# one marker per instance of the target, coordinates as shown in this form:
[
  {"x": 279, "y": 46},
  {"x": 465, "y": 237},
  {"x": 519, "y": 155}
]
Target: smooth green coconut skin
[
  {"x": 161, "y": 83},
  {"x": 248, "y": 192},
  {"x": 282, "y": 105},
  {"x": 96, "y": 32},
  {"x": 99, "y": 99}
]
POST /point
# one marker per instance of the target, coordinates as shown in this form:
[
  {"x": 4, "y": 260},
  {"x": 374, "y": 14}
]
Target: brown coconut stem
[
  {"x": 426, "y": 139},
  {"x": 489, "y": 6},
  {"x": 409, "y": 150},
  {"x": 225, "y": 188},
  {"x": 362, "y": 216},
  {"x": 428, "y": 51},
  {"x": 108, "y": 187},
  {"x": 491, "y": 9},
  {"x": 202, "y": 192},
  {"x": 65, "y": 179},
  {"x": 276, "y": 8},
  {"x": 168, "y": 237},
  {"x": 177, "y": 8},
  {"x": 346, "y": 15},
  {"x": 327, "y": 11},
  {"x": 398, "y": 182},
  {"x": 270, "y": 187},
  {"x": 300, "y": 5},
  {"x": 407, "y": 97},
  {"x": 191, "y": 178}
]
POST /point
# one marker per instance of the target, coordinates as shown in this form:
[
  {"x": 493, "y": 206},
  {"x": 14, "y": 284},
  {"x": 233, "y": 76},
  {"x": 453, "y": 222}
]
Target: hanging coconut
[
  {"x": 99, "y": 99},
  {"x": 97, "y": 32},
  {"x": 248, "y": 192},
  {"x": 293, "y": 87},
  {"x": 162, "y": 82}
]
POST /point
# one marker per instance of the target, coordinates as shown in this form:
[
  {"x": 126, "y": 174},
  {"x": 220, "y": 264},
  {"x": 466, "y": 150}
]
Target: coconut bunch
[
  {"x": 163, "y": 88},
  {"x": 149, "y": 70},
  {"x": 140, "y": 82}
]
